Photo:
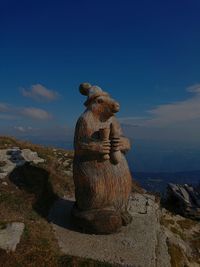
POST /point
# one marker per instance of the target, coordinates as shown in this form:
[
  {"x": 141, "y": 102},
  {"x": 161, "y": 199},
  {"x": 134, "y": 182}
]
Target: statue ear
[{"x": 84, "y": 88}]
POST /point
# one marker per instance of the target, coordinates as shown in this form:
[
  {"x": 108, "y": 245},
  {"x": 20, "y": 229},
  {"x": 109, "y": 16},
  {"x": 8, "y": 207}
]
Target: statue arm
[
  {"x": 85, "y": 144},
  {"x": 123, "y": 143},
  {"x": 95, "y": 147}
]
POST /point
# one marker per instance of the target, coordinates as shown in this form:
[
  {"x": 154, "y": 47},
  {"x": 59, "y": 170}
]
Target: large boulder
[{"x": 184, "y": 199}]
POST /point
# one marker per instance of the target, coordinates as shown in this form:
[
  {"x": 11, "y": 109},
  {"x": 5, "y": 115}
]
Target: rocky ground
[
  {"x": 183, "y": 238},
  {"x": 36, "y": 194}
]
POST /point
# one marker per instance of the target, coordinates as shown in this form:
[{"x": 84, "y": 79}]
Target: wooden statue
[{"x": 101, "y": 174}]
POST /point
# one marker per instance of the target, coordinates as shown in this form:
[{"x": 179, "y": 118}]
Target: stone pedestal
[{"x": 141, "y": 243}]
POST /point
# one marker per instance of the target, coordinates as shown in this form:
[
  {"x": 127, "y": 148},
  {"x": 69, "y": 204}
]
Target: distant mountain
[{"x": 157, "y": 181}]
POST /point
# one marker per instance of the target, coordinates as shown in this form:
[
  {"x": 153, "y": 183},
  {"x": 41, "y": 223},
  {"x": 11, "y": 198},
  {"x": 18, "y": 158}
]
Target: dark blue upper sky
[{"x": 145, "y": 53}]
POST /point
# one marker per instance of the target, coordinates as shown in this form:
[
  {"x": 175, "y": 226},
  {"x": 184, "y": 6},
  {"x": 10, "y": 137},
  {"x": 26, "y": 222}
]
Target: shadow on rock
[
  {"x": 35, "y": 180},
  {"x": 60, "y": 214}
]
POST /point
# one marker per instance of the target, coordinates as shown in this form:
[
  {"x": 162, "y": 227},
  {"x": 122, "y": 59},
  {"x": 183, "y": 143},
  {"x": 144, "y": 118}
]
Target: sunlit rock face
[{"x": 15, "y": 157}]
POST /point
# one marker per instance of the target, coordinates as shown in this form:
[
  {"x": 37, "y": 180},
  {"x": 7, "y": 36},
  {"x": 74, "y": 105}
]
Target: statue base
[
  {"x": 141, "y": 243},
  {"x": 102, "y": 221}
]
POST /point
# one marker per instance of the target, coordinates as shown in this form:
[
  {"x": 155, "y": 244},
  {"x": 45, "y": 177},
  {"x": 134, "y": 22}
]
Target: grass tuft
[
  {"x": 187, "y": 224},
  {"x": 176, "y": 254}
]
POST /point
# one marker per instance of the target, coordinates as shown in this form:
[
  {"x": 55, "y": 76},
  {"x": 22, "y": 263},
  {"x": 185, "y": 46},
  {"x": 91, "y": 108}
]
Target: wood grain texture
[{"x": 101, "y": 184}]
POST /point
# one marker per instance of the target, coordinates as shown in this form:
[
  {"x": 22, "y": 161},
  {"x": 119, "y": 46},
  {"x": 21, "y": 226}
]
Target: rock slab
[
  {"x": 10, "y": 235},
  {"x": 15, "y": 157},
  {"x": 138, "y": 244}
]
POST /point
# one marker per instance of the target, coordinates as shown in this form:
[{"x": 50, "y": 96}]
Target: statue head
[{"x": 98, "y": 101}]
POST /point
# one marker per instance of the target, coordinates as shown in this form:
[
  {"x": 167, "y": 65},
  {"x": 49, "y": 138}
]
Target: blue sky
[{"x": 145, "y": 53}]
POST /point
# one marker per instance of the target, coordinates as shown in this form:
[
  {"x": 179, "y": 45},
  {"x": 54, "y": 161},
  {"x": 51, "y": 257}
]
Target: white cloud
[
  {"x": 35, "y": 113},
  {"x": 20, "y": 129},
  {"x": 194, "y": 88},
  {"x": 40, "y": 93},
  {"x": 3, "y": 107},
  {"x": 8, "y": 117},
  {"x": 133, "y": 121},
  {"x": 9, "y": 112},
  {"x": 173, "y": 114},
  {"x": 177, "y": 112},
  {"x": 24, "y": 129}
]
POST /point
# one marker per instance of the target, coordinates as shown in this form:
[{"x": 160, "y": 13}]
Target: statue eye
[{"x": 100, "y": 101}]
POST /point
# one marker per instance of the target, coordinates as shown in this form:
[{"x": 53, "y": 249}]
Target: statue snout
[{"x": 116, "y": 107}]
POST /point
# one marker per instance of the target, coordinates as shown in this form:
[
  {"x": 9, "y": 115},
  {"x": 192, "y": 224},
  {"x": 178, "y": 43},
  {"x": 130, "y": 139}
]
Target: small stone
[
  {"x": 31, "y": 156},
  {"x": 3, "y": 175},
  {"x": 69, "y": 173},
  {"x": 5, "y": 183},
  {"x": 66, "y": 163}
]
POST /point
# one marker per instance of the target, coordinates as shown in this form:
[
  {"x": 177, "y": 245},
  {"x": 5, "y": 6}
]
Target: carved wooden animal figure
[{"x": 101, "y": 174}]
